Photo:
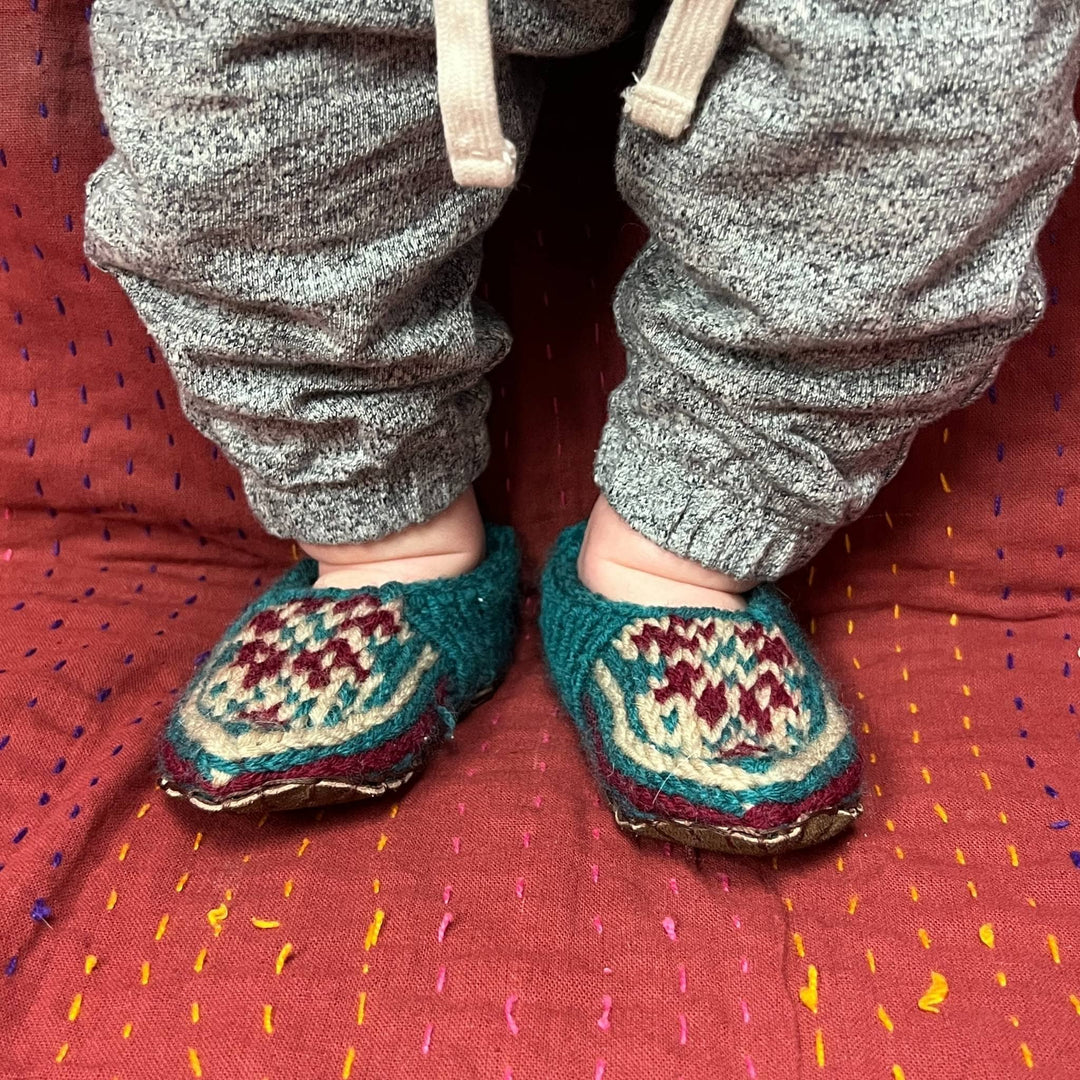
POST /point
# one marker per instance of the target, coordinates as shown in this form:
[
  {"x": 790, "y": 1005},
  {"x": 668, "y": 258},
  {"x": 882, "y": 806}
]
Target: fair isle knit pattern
[
  {"x": 315, "y": 695},
  {"x": 712, "y": 719}
]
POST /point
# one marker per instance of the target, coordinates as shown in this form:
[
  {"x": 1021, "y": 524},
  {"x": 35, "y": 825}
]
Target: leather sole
[{"x": 807, "y": 831}]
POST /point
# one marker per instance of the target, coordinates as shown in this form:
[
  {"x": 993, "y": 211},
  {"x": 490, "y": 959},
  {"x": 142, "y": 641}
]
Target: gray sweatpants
[{"x": 842, "y": 247}]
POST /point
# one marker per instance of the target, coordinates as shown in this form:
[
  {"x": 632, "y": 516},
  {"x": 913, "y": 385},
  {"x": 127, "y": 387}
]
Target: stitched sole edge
[
  {"x": 303, "y": 794},
  {"x": 807, "y": 831}
]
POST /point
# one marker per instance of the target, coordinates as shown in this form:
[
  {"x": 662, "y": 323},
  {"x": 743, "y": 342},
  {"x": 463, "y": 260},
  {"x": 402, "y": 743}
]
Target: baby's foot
[
  {"x": 621, "y": 564},
  {"x": 447, "y": 546}
]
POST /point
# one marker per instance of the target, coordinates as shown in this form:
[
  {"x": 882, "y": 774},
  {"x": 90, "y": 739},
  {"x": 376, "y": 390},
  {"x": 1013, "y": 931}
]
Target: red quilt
[{"x": 493, "y": 923}]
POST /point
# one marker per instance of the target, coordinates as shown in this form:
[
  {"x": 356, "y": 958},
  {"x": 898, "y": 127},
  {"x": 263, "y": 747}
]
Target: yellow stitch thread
[
  {"x": 268, "y": 1019},
  {"x": 952, "y": 577},
  {"x": 125, "y": 1031},
  {"x": 287, "y": 890},
  {"x": 965, "y": 690},
  {"x": 810, "y": 577},
  {"x": 898, "y": 1073},
  {"x": 957, "y": 655},
  {"x": 975, "y": 751},
  {"x": 62, "y": 1053},
  {"x": 1014, "y": 1020},
  {"x": 853, "y": 903},
  {"x": 855, "y": 662},
  {"x": 144, "y": 972},
  {"x": 361, "y": 1005},
  {"x": 216, "y": 916},
  {"x": 76, "y": 1007},
  {"x": 945, "y": 484},
  {"x": 905, "y": 675},
  {"x": 808, "y": 994},
  {"x": 935, "y": 994},
  {"x": 888, "y": 521},
  {"x": 819, "y": 1048},
  {"x": 847, "y": 542},
  {"x": 914, "y": 893},
  {"x": 913, "y": 709},
  {"x": 925, "y": 773},
  {"x": 851, "y": 626},
  {"x": 1075, "y": 1002},
  {"x": 228, "y": 895},
  {"x": 265, "y": 924},
  {"x": 1002, "y": 818},
  {"x": 286, "y": 952},
  {"x": 304, "y": 844},
  {"x": 89, "y": 964},
  {"x": 193, "y": 1061},
  {"x": 986, "y": 935},
  {"x": 890, "y": 824},
  {"x": 960, "y": 857},
  {"x": 346, "y": 1068},
  {"x": 261, "y": 822},
  {"x": 899, "y": 852},
  {"x": 896, "y": 611},
  {"x": 182, "y": 882},
  {"x": 372, "y": 937},
  {"x": 954, "y": 619},
  {"x": 799, "y": 948},
  {"x": 194, "y": 1012},
  {"x": 124, "y": 849},
  {"x": 885, "y": 1019},
  {"x": 1000, "y": 979},
  {"x": 394, "y": 811},
  {"x": 877, "y": 790},
  {"x": 200, "y": 960},
  {"x": 966, "y": 721},
  {"x": 141, "y": 812},
  {"x": 382, "y": 842},
  {"x": 1052, "y": 945},
  {"x": 971, "y": 889},
  {"x": 1031, "y": 901},
  {"x": 985, "y": 779},
  {"x": 924, "y": 937},
  {"x": 111, "y": 902},
  {"x": 1029, "y": 1061},
  {"x": 940, "y": 811},
  {"x": 375, "y": 886},
  {"x": 871, "y": 962},
  {"x": 1013, "y": 857},
  {"x": 840, "y": 864},
  {"x": 365, "y": 968},
  {"x": 160, "y": 932},
  {"x": 198, "y": 841}
]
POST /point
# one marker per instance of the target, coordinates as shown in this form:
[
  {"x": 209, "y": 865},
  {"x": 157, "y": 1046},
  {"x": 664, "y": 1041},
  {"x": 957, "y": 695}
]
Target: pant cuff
[
  {"x": 368, "y": 507},
  {"x": 726, "y": 522}
]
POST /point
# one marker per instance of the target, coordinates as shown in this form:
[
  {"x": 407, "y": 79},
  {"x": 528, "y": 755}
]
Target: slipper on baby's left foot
[{"x": 710, "y": 728}]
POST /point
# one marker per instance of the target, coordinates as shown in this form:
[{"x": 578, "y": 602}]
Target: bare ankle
[
  {"x": 450, "y": 544},
  {"x": 621, "y": 564}
]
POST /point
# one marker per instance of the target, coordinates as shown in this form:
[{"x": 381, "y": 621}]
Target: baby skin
[{"x": 615, "y": 561}]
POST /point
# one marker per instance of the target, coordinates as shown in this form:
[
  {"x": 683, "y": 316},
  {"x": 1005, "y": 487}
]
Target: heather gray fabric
[{"x": 842, "y": 248}]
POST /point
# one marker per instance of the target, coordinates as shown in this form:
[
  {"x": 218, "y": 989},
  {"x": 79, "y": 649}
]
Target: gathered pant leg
[
  {"x": 842, "y": 249},
  {"x": 280, "y": 210}
]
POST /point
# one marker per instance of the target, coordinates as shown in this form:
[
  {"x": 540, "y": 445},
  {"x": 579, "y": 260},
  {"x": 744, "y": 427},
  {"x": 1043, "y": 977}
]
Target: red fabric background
[{"x": 494, "y": 923}]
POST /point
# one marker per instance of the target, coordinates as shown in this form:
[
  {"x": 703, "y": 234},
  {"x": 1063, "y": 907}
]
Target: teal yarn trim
[{"x": 578, "y": 627}]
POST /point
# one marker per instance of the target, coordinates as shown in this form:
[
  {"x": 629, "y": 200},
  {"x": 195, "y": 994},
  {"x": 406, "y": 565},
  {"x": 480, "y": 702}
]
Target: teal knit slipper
[
  {"x": 319, "y": 696},
  {"x": 709, "y": 728}
]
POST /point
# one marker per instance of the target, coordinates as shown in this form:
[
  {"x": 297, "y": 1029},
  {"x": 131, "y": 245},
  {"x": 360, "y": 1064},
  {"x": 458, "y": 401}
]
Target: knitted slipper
[
  {"x": 319, "y": 696},
  {"x": 709, "y": 728}
]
